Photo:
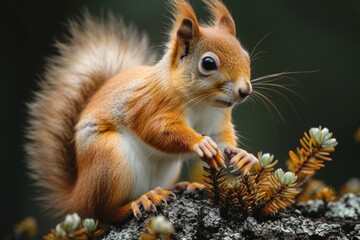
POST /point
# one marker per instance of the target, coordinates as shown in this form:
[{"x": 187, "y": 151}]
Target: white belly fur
[{"x": 150, "y": 168}]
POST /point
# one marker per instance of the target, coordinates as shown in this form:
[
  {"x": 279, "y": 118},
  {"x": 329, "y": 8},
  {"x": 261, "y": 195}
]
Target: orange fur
[
  {"x": 105, "y": 126},
  {"x": 227, "y": 132},
  {"x": 221, "y": 16}
]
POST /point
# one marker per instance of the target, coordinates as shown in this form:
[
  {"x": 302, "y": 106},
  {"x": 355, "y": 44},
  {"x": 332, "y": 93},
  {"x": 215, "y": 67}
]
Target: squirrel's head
[{"x": 209, "y": 59}]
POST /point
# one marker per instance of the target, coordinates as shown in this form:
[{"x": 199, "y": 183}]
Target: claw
[
  {"x": 150, "y": 201},
  {"x": 235, "y": 170},
  {"x": 153, "y": 207},
  {"x": 138, "y": 215},
  {"x": 136, "y": 211},
  {"x": 219, "y": 159},
  {"x": 173, "y": 196},
  {"x": 213, "y": 164}
]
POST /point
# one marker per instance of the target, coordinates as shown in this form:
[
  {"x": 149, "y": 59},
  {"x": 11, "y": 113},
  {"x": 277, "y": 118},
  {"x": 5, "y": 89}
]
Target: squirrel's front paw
[
  {"x": 240, "y": 160},
  {"x": 208, "y": 150}
]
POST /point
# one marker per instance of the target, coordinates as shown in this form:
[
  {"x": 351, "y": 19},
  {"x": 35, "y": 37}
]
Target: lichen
[{"x": 194, "y": 217}]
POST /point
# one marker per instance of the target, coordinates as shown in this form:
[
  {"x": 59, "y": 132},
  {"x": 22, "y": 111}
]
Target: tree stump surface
[{"x": 194, "y": 217}]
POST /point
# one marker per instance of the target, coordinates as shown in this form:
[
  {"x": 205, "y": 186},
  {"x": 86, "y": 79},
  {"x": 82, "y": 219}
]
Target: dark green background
[{"x": 305, "y": 35}]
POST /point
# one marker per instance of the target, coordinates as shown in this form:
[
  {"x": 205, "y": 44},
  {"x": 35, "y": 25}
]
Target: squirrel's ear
[
  {"x": 221, "y": 16},
  {"x": 186, "y": 29}
]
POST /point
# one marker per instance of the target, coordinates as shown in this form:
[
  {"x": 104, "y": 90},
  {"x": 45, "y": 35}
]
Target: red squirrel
[{"x": 109, "y": 129}]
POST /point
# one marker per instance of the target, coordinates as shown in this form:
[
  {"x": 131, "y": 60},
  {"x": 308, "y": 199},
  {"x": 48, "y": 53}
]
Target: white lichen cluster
[
  {"x": 89, "y": 225},
  {"x": 286, "y": 179},
  {"x": 323, "y": 137},
  {"x": 160, "y": 225},
  {"x": 73, "y": 222},
  {"x": 265, "y": 160}
]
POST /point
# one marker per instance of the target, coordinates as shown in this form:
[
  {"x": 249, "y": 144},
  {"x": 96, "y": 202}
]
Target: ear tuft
[
  {"x": 182, "y": 9},
  {"x": 221, "y": 16},
  {"x": 184, "y": 20}
]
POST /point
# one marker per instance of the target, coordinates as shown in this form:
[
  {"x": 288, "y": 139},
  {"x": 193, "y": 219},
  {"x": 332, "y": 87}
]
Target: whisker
[
  {"x": 268, "y": 100},
  {"x": 240, "y": 139},
  {"x": 284, "y": 87},
  {"x": 257, "y": 55},
  {"x": 285, "y": 97},
  {"x": 258, "y": 98},
  {"x": 211, "y": 103},
  {"x": 280, "y": 74},
  {"x": 207, "y": 107},
  {"x": 252, "y": 52},
  {"x": 260, "y": 101},
  {"x": 268, "y": 83},
  {"x": 199, "y": 98},
  {"x": 253, "y": 60},
  {"x": 271, "y": 80},
  {"x": 252, "y": 99}
]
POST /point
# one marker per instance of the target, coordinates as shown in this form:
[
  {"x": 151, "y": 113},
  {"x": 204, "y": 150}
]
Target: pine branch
[
  {"x": 316, "y": 148},
  {"x": 248, "y": 192},
  {"x": 281, "y": 192},
  {"x": 215, "y": 184},
  {"x": 326, "y": 194},
  {"x": 309, "y": 190},
  {"x": 245, "y": 193},
  {"x": 264, "y": 169},
  {"x": 234, "y": 196},
  {"x": 265, "y": 191},
  {"x": 73, "y": 228}
]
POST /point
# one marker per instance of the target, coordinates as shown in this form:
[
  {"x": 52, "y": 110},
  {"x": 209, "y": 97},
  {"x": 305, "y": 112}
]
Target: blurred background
[{"x": 321, "y": 36}]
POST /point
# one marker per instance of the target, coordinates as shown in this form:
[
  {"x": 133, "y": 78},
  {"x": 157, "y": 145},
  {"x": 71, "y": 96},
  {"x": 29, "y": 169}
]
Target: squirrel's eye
[{"x": 209, "y": 63}]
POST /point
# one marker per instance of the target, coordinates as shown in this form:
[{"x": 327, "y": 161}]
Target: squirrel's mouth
[{"x": 224, "y": 103}]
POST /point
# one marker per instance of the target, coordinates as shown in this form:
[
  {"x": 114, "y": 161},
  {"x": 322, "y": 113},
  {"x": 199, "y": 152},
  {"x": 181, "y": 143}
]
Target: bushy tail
[{"x": 92, "y": 53}]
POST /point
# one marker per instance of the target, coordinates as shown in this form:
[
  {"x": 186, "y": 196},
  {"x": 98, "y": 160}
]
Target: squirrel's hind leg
[{"x": 104, "y": 180}]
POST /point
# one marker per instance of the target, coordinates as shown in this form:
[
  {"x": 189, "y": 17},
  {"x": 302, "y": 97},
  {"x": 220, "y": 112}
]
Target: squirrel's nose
[
  {"x": 243, "y": 94},
  {"x": 245, "y": 90}
]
